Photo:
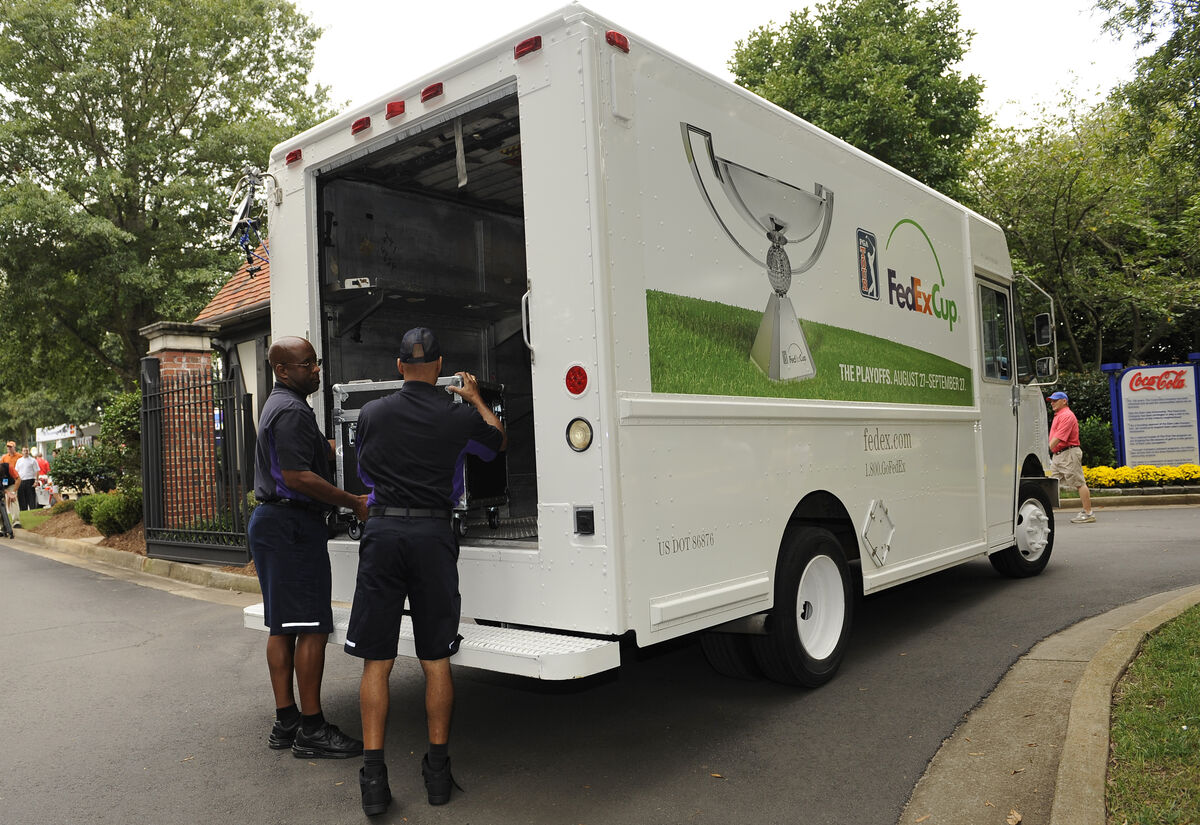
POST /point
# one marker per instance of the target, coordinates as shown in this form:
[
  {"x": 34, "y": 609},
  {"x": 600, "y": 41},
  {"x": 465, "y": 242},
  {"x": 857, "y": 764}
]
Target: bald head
[
  {"x": 290, "y": 349},
  {"x": 294, "y": 362}
]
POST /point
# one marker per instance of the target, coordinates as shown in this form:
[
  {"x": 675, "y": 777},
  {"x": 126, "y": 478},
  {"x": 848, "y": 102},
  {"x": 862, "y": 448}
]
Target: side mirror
[
  {"x": 1045, "y": 368},
  {"x": 1043, "y": 333}
]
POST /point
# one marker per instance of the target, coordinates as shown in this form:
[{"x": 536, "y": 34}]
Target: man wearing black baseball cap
[
  {"x": 1066, "y": 461},
  {"x": 410, "y": 446}
]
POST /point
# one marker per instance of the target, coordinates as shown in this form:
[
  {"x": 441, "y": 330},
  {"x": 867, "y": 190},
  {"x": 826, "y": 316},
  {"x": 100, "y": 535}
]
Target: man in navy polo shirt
[
  {"x": 288, "y": 539},
  {"x": 410, "y": 446}
]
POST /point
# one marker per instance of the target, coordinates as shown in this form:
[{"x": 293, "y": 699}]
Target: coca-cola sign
[
  {"x": 1158, "y": 416},
  {"x": 1161, "y": 380}
]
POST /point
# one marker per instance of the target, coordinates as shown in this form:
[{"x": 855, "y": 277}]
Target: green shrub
[
  {"x": 62, "y": 506},
  {"x": 118, "y": 512},
  {"x": 1096, "y": 439},
  {"x": 81, "y": 468},
  {"x": 86, "y": 507}
]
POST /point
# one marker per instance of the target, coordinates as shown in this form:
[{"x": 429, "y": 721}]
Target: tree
[
  {"x": 1076, "y": 206},
  {"x": 123, "y": 125},
  {"x": 877, "y": 73}
]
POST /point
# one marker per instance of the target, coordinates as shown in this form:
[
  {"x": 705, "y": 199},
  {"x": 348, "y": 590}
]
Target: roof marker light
[
  {"x": 293, "y": 157},
  {"x": 431, "y": 91},
  {"x": 394, "y": 109},
  {"x": 617, "y": 39},
  {"x": 525, "y": 47},
  {"x": 360, "y": 125}
]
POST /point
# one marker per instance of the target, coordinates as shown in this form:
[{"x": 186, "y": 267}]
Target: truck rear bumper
[{"x": 531, "y": 653}]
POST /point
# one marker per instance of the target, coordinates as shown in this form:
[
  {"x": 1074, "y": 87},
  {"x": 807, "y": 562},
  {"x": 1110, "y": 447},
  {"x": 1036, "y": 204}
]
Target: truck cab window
[{"x": 994, "y": 327}]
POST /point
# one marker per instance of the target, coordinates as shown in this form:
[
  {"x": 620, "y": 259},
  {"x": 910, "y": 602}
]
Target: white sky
[{"x": 1025, "y": 51}]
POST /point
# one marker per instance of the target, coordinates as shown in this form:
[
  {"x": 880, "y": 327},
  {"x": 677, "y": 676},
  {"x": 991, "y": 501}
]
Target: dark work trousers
[{"x": 27, "y": 494}]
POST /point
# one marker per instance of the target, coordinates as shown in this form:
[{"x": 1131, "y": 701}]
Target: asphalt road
[{"x": 126, "y": 704}]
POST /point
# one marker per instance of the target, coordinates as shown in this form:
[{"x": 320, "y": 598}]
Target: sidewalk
[{"x": 1037, "y": 745}]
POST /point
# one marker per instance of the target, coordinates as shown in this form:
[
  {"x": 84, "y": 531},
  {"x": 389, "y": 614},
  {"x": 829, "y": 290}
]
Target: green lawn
[
  {"x": 32, "y": 518},
  {"x": 703, "y": 348},
  {"x": 1154, "y": 766}
]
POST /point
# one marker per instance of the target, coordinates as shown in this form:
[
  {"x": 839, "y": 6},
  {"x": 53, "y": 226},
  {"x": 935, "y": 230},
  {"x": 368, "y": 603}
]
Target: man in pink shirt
[{"x": 1066, "y": 462}]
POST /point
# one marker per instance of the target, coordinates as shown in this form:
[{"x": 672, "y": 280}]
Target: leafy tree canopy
[
  {"x": 1090, "y": 220},
  {"x": 877, "y": 73},
  {"x": 123, "y": 125}
]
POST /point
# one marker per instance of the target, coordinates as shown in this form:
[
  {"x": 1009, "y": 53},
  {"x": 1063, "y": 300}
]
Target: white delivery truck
[{"x": 749, "y": 372}]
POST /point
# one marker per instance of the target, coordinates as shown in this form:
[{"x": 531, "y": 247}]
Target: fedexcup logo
[{"x": 906, "y": 292}]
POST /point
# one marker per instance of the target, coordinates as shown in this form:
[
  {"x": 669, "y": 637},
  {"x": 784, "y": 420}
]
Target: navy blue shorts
[
  {"x": 291, "y": 552},
  {"x": 413, "y": 558}
]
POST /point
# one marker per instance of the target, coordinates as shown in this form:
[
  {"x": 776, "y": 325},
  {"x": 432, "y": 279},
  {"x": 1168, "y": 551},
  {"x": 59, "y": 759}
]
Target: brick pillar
[{"x": 188, "y": 425}]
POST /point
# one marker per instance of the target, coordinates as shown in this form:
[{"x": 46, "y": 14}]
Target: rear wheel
[
  {"x": 809, "y": 626},
  {"x": 729, "y": 654},
  {"x": 1034, "y": 536}
]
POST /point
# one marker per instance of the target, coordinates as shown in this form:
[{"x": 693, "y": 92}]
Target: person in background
[
  {"x": 44, "y": 480},
  {"x": 7, "y": 483},
  {"x": 27, "y": 470},
  {"x": 1066, "y": 462},
  {"x": 11, "y": 503}
]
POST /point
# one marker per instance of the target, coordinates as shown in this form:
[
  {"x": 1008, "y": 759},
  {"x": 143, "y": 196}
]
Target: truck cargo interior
[{"x": 429, "y": 232}]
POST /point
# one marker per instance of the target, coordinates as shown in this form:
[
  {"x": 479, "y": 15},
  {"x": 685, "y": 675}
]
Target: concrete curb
[
  {"x": 179, "y": 571},
  {"x": 1079, "y": 797},
  {"x": 1146, "y": 500}
]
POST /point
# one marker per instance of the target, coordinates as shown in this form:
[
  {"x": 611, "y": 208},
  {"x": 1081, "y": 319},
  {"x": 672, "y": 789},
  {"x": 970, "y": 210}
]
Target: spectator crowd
[{"x": 26, "y": 481}]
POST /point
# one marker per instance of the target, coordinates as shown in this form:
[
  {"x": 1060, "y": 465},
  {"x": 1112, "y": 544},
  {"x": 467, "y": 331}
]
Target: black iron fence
[{"x": 197, "y": 465}]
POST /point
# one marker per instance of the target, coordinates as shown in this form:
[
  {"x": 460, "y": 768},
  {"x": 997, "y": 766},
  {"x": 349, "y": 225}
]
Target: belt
[
  {"x": 407, "y": 512},
  {"x": 296, "y": 504}
]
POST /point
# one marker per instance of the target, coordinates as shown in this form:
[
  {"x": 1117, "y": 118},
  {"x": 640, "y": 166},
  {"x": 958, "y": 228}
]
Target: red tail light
[
  {"x": 577, "y": 380},
  {"x": 360, "y": 125},
  {"x": 394, "y": 109},
  {"x": 293, "y": 157},
  {"x": 430, "y": 92}
]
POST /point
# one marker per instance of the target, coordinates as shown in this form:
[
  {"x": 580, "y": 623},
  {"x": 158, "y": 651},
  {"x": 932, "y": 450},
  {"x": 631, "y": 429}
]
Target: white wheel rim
[
  {"x": 820, "y": 607},
  {"x": 1033, "y": 529}
]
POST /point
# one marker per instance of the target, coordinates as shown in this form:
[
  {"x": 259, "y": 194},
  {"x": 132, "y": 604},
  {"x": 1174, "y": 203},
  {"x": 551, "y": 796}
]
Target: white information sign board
[{"x": 1158, "y": 408}]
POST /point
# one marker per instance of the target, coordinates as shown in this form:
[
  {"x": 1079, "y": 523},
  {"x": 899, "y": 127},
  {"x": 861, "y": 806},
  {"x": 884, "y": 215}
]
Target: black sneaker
[
  {"x": 327, "y": 743},
  {"x": 283, "y": 735},
  {"x": 438, "y": 783},
  {"x": 376, "y": 795}
]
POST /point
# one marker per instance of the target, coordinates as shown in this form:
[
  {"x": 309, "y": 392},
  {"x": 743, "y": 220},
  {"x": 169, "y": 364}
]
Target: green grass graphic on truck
[{"x": 699, "y": 347}]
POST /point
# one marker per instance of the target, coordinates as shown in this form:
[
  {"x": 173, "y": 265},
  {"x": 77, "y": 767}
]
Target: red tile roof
[{"x": 242, "y": 294}]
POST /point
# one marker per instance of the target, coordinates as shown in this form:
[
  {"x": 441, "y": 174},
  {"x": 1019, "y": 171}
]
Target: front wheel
[
  {"x": 1034, "y": 536},
  {"x": 809, "y": 626}
]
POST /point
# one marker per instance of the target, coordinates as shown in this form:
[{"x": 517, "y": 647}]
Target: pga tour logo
[{"x": 868, "y": 265}]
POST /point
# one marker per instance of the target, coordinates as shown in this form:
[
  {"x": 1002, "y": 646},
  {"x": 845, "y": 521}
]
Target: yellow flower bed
[{"x": 1143, "y": 475}]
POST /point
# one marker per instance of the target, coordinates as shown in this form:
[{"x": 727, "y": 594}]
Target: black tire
[
  {"x": 730, "y": 655},
  {"x": 807, "y": 630},
  {"x": 1035, "y": 536},
  {"x": 355, "y": 529}
]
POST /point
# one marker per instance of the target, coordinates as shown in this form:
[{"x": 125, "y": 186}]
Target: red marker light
[
  {"x": 293, "y": 157},
  {"x": 525, "y": 47},
  {"x": 360, "y": 125},
  {"x": 577, "y": 380},
  {"x": 618, "y": 40},
  {"x": 430, "y": 92},
  {"x": 394, "y": 109}
]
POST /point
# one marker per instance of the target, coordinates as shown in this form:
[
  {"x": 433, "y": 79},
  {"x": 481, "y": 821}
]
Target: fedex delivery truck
[{"x": 748, "y": 372}]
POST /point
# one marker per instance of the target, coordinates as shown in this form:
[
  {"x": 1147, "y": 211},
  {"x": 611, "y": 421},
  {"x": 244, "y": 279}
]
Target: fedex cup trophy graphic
[{"x": 783, "y": 214}]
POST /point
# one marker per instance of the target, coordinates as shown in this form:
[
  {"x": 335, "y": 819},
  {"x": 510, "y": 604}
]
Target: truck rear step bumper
[{"x": 531, "y": 653}]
